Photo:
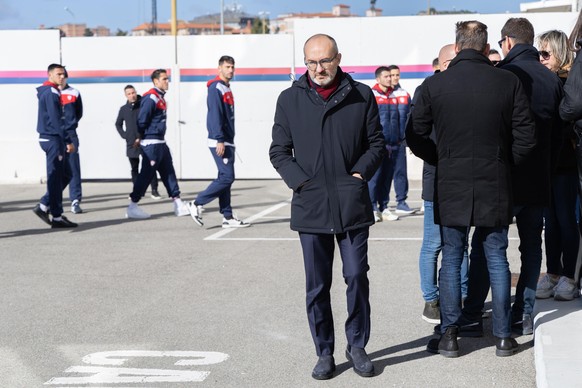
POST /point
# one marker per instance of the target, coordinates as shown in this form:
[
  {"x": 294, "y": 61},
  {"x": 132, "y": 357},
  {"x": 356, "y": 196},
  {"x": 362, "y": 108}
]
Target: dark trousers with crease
[{"x": 318, "y": 252}]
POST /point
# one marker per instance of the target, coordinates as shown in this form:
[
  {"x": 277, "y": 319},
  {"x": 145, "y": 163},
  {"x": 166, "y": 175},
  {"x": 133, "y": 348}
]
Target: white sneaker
[
  {"x": 566, "y": 289},
  {"x": 134, "y": 211},
  {"x": 377, "y": 216},
  {"x": 234, "y": 223},
  {"x": 387, "y": 215},
  {"x": 180, "y": 208},
  {"x": 546, "y": 286},
  {"x": 195, "y": 212}
]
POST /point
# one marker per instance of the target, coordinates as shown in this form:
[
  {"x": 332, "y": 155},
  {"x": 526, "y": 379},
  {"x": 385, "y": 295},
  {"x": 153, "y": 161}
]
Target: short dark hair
[
  {"x": 393, "y": 67},
  {"x": 128, "y": 87},
  {"x": 380, "y": 70},
  {"x": 435, "y": 62},
  {"x": 156, "y": 73},
  {"x": 493, "y": 51},
  {"x": 520, "y": 29},
  {"x": 53, "y": 66},
  {"x": 227, "y": 59},
  {"x": 471, "y": 34}
]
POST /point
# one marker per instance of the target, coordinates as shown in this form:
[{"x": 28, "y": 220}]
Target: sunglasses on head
[{"x": 545, "y": 54}]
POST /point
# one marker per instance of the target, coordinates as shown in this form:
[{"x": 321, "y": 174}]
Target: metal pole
[
  {"x": 174, "y": 21},
  {"x": 221, "y": 17}
]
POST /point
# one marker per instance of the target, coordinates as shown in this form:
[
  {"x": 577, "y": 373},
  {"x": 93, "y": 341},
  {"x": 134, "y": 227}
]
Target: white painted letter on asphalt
[
  {"x": 119, "y": 357},
  {"x": 103, "y": 375}
]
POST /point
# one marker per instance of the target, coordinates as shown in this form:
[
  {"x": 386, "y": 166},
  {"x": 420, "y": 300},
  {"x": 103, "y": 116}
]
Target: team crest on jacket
[{"x": 152, "y": 163}]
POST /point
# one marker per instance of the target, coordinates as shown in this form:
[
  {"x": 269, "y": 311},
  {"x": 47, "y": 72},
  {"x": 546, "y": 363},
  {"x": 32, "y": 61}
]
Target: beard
[{"x": 324, "y": 79}]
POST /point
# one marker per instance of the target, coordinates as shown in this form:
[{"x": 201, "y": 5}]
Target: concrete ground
[{"x": 165, "y": 303}]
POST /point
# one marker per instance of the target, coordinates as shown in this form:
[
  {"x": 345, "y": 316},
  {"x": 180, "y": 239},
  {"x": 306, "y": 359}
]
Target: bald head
[
  {"x": 322, "y": 59},
  {"x": 321, "y": 41},
  {"x": 446, "y": 55}
]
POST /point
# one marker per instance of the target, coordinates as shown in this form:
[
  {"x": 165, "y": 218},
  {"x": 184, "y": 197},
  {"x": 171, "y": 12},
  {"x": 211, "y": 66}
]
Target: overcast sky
[{"x": 126, "y": 14}]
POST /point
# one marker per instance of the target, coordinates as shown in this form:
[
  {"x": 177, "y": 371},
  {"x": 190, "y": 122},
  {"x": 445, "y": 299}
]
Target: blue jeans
[
  {"x": 561, "y": 232},
  {"x": 530, "y": 223},
  {"x": 488, "y": 254},
  {"x": 220, "y": 187},
  {"x": 429, "y": 253}
]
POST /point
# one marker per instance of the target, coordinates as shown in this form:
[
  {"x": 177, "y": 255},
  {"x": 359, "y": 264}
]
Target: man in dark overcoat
[
  {"x": 531, "y": 180},
  {"x": 327, "y": 142},
  {"x": 483, "y": 126}
]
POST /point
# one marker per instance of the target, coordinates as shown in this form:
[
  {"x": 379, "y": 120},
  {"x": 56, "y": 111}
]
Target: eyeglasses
[
  {"x": 495, "y": 63},
  {"x": 501, "y": 42},
  {"x": 324, "y": 63},
  {"x": 545, "y": 54}
]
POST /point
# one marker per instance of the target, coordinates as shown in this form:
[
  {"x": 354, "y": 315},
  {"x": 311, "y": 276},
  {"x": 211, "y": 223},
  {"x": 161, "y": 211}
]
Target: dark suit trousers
[{"x": 318, "y": 252}]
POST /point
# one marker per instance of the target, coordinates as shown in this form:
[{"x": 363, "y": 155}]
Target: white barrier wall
[{"x": 101, "y": 67}]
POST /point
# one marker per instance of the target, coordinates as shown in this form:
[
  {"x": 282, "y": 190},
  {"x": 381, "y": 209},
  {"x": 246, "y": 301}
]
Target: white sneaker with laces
[
  {"x": 545, "y": 287},
  {"x": 134, "y": 211},
  {"x": 566, "y": 289},
  {"x": 387, "y": 215},
  {"x": 195, "y": 212},
  {"x": 234, "y": 223},
  {"x": 180, "y": 208}
]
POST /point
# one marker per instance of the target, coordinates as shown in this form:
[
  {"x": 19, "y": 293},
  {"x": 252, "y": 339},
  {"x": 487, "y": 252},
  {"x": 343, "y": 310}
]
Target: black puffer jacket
[{"x": 318, "y": 145}]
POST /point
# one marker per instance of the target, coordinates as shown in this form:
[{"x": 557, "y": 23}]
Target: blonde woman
[{"x": 562, "y": 237}]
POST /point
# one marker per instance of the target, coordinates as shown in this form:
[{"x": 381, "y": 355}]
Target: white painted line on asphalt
[{"x": 250, "y": 219}]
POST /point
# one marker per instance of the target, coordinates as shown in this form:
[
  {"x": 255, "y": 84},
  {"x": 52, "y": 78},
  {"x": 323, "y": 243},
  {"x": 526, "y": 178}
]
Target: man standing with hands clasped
[{"x": 327, "y": 142}]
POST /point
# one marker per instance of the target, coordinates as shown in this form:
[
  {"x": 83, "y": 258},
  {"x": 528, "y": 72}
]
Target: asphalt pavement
[{"x": 165, "y": 303}]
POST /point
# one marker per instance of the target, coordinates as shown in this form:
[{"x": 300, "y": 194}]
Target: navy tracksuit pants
[
  {"x": 220, "y": 187},
  {"x": 318, "y": 259},
  {"x": 156, "y": 157},
  {"x": 55, "y": 151},
  {"x": 75, "y": 190},
  {"x": 71, "y": 176}
]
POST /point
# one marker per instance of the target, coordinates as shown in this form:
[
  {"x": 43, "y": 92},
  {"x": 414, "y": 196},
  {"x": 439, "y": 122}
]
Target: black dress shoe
[
  {"x": 447, "y": 345},
  {"x": 506, "y": 347},
  {"x": 324, "y": 368},
  {"x": 63, "y": 223},
  {"x": 41, "y": 214},
  {"x": 362, "y": 363}
]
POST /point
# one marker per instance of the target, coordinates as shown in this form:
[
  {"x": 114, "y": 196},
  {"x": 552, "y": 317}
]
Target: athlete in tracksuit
[
  {"x": 55, "y": 142},
  {"x": 72, "y": 113},
  {"x": 151, "y": 122},
  {"x": 220, "y": 125}
]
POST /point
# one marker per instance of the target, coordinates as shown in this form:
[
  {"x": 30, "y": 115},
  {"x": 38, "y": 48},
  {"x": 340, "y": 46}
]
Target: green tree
[
  {"x": 88, "y": 32},
  {"x": 260, "y": 26},
  {"x": 120, "y": 32}
]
